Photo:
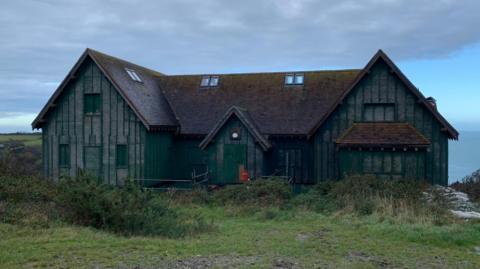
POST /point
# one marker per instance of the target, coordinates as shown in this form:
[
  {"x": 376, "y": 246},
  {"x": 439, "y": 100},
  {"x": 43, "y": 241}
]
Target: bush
[
  {"x": 397, "y": 200},
  {"x": 18, "y": 160},
  {"x": 470, "y": 185},
  {"x": 129, "y": 210},
  {"x": 18, "y": 189},
  {"x": 261, "y": 193}
]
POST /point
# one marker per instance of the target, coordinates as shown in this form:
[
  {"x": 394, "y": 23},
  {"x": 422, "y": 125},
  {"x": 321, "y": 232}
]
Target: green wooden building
[{"x": 118, "y": 120}]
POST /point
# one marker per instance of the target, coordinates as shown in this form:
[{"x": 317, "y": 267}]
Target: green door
[{"x": 234, "y": 157}]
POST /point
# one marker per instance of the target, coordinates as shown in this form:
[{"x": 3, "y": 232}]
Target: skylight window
[
  {"x": 294, "y": 79},
  {"x": 289, "y": 79},
  {"x": 214, "y": 80},
  {"x": 133, "y": 75},
  {"x": 298, "y": 78},
  {"x": 210, "y": 81}
]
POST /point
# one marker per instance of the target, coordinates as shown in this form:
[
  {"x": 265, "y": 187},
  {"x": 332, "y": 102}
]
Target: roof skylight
[
  {"x": 133, "y": 75},
  {"x": 294, "y": 79},
  {"x": 210, "y": 81}
]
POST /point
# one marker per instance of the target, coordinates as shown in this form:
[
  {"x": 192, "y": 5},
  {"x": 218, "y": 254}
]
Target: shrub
[
  {"x": 396, "y": 200},
  {"x": 18, "y": 160},
  {"x": 128, "y": 210},
  {"x": 470, "y": 185},
  {"x": 18, "y": 189},
  {"x": 262, "y": 192}
]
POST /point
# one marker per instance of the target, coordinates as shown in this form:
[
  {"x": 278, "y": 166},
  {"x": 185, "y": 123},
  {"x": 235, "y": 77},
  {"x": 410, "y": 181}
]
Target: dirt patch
[
  {"x": 285, "y": 264},
  {"x": 316, "y": 234},
  {"x": 355, "y": 256},
  {"x": 204, "y": 262}
]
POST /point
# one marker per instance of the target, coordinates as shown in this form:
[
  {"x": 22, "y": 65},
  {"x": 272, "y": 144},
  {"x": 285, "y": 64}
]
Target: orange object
[{"x": 244, "y": 177}]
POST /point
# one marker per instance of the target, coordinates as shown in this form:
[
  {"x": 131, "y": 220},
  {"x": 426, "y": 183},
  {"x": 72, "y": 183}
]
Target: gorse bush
[
  {"x": 397, "y": 200},
  {"x": 17, "y": 160},
  {"x": 262, "y": 193},
  {"x": 470, "y": 185},
  {"x": 127, "y": 210}
]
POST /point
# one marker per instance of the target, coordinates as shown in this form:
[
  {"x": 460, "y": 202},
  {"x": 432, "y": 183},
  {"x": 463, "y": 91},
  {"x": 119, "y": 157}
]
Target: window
[
  {"x": 92, "y": 103},
  {"x": 211, "y": 81},
  {"x": 133, "y": 75},
  {"x": 294, "y": 79},
  {"x": 289, "y": 79},
  {"x": 379, "y": 112},
  {"x": 235, "y": 134},
  {"x": 205, "y": 81},
  {"x": 122, "y": 156},
  {"x": 214, "y": 80},
  {"x": 64, "y": 155},
  {"x": 298, "y": 78}
]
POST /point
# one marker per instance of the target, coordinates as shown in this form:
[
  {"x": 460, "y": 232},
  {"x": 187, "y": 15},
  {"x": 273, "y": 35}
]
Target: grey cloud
[{"x": 42, "y": 39}]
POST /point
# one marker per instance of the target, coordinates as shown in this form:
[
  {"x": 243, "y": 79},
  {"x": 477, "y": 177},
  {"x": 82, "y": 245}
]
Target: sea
[{"x": 464, "y": 155}]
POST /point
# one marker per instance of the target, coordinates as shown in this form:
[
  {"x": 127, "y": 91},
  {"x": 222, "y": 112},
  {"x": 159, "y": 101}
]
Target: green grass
[
  {"x": 308, "y": 239},
  {"x": 28, "y": 139}
]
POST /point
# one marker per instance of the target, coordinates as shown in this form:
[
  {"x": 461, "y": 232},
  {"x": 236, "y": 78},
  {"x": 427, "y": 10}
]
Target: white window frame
[
  {"x": 210, "y": 81},
  {"x": 133, "y": 75},
  {"x": 292, "y": 78}
]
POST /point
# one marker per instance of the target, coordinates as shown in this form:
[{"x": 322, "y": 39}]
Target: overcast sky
[{"x": 436, "y": 43}]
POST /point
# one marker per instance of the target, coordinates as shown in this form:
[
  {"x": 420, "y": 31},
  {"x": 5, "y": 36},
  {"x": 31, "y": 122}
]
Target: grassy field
[
  {"x": 28, "y": 139},
  {"x": 284, "y": 239}
]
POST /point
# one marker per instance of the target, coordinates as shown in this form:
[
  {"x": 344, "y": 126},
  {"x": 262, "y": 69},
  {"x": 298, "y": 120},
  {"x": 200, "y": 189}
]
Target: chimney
[{"x": 430, "y": 100}]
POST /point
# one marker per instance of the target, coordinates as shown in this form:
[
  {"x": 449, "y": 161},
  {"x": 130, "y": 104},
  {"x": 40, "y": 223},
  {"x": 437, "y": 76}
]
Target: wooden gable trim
[
  {"x": 107, "y": 74},
  {"x": 36, "y": 124},
  {"x": 394, "y": 70},
  {"x": 246, "y": 121}
]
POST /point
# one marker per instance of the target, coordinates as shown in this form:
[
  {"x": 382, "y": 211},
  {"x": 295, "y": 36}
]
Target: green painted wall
[
  {"x": 158, "y": 155},
  {"x": 254, "y": 155},
  {"x": 387, "y": 164},
  {"x": 188, "y": 157},
  {"x": 294, "y": 153},
  {"x": 92, "y": 139},
  {"x": 380, "y": 86}
]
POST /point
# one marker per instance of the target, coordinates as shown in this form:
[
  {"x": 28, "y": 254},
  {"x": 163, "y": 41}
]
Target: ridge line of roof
[
  {"x": 154, "y": 72},
  {"x": 266, "y": 73}
]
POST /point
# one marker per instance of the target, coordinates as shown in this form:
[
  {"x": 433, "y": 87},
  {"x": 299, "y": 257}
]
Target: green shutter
[
  {"x": 92, "y": 103},
  {"x": 122, "y": 156},
  {"x": 64, "y": 155}
]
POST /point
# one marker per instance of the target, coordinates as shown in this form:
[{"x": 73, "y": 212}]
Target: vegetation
[
  {"x": 293, "y": 239},
  {"x": 360, "y": 222},
  {"x": 129, "y": 210},
  {"x": 27, "y": 139},
  {"x": 470, "y": 185}
]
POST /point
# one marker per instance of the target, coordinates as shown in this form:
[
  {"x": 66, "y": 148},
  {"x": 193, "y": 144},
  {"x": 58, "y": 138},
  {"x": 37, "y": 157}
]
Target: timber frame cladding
[
  {"x": 93, "y": 138},
  {"x": 170, "y": 127}
]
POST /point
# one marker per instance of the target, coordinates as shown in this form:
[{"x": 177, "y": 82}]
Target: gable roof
[
  {"x": 380, "y": 55},
  {"x": 382, "y": 134},
  {"x": 145, "y": 99},
  {"x": 275, "y": 107},
  {"x": 179, "y": 103},
  {"x": 247, "y": 121}
]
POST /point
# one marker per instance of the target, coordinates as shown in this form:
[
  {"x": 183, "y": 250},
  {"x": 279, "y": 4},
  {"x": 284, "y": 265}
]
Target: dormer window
[
  {"x": 210, "y": 81},
  {"x": 294, "y": 79},
  {"x": 133, "y": 75}
]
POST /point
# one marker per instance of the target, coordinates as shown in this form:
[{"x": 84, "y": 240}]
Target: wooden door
[{"x": 234, "y": 156}]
